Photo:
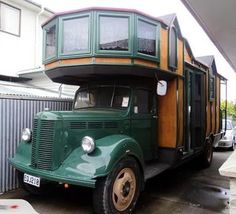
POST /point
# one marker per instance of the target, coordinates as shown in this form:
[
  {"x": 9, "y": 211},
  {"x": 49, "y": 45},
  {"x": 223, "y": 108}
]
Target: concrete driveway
[{"x": 184, "y": 190}]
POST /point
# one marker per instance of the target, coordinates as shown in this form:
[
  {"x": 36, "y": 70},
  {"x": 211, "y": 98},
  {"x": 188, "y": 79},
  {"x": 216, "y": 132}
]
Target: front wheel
[{"x": 119, "y": 191}]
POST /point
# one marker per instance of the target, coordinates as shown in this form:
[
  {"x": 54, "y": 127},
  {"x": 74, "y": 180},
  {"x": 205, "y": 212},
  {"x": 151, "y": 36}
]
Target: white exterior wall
[{"x": 22, "y": 52}]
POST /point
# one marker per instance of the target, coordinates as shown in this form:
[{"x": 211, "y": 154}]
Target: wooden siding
[
  {"x": 68, "y": 62},
  {"x": 109, "y": 60},
  {"x": 187, "y": 57},
  {"x": 218, "y": 104},
  {"x": 180, "y": 57},
  {"x": 145, "y": 63},
  {"x": 164, "y": 49},
  {"x": 213, "y": 117},
  {"x": 180, "y": 112},
  {"x": 167, "y": 113},
  {"x": 208, "y": 108}
]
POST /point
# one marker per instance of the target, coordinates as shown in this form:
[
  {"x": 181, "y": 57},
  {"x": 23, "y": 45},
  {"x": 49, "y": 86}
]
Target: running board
[{"x": 153, "y": 169}]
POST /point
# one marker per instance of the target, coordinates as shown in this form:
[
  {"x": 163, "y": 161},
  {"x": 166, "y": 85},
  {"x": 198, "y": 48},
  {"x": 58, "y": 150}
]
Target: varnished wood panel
[
  {"x": 167, "y": 113},
  {"x": 145, "y": 63},
  {"x": 65, "y": 62},
  {"x": 164, "y": 49},
  {"x": 208, "y": 109},
  {"x": 187, "y": 57},
  {"x": 180, "y": 57},
  {"x": 113, "y": 60},
  {"x": 217, "y": 104},
  {"x": 180, "y": 112}
]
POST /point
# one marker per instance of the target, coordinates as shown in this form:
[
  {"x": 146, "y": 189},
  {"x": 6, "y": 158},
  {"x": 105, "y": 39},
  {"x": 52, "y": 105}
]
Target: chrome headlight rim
[
  {"x": 26, "y": 135},
  {"x": 88, "y": 144}
]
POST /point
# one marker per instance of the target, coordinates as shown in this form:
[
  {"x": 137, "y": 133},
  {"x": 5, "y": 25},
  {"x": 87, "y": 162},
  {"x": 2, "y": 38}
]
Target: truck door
[
  {"x": 195, "y": 110},
  {"x": 144, "y": 121}
]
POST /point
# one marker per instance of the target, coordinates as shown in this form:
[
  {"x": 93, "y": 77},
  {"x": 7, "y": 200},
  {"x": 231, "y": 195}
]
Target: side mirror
[{"x": 161, "y": 88}]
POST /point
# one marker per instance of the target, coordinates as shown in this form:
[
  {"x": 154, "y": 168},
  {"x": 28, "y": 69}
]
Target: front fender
[
  {"x": 109, "y": 151},
  {"x": 23, "y": 153}
]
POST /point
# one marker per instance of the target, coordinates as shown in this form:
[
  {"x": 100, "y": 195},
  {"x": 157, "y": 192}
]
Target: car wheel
[
  {"x": 119, "y": 191},
  {"x": 207, "y": 155},
  {"x": 233, "y": 146},
  {"x": 45, "y": 188}
]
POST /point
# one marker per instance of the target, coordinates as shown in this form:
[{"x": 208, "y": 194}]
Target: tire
[
  {"x": 119, "y": 191},
  {"x": 232, "y": 148},
  {"x": 45, "y": 188},
  {"x": 207, "y": 155}
]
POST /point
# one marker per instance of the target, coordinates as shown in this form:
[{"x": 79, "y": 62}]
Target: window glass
[
  {"x": 76, "y": 34},
  {"x": 173, "y": 48},
  {"x": 212, "y": 88},
  {"x": 51, "y": 41},
  {"x": 229, "y": 126},
  {"x": 142, "y": 102},
  {"x": 9, "y": 19},
  {"x": 103, "y": 97},
  {"x": 114, "y": 33},
  {"x": 146, "y": 38}
]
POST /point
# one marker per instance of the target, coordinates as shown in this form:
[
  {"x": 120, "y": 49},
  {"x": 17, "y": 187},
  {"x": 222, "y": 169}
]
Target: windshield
[
  {"x": 103, "y": 97},
  {"x": 227, "y": 124}
]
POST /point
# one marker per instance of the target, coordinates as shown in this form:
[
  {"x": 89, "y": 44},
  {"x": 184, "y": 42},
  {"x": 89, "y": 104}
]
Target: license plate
[{"x": 29, "y": 179}]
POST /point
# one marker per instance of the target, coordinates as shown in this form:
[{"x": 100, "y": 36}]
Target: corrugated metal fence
[{"x": 17, "y": 113}]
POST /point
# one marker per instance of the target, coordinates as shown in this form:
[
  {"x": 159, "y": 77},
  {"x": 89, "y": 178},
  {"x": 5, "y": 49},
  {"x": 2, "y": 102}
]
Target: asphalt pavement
[{"x": 184, "y": 190}]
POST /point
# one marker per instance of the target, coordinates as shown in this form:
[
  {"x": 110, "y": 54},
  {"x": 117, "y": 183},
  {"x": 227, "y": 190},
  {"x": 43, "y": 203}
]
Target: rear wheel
[
  {"x": 44, "y": 188},
  {"x": 207, "y": 155},
  {"x": 119, "y": 191}
]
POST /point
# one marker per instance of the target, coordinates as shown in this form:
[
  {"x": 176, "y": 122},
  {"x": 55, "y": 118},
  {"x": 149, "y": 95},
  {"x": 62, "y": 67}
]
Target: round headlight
[
  {"x": 88, "y": 144},
  {"x": 26, "y": 134}
]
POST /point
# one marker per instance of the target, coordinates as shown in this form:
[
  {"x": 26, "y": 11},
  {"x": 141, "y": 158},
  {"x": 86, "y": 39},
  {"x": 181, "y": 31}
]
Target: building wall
[{"x": 22, "y": 52}]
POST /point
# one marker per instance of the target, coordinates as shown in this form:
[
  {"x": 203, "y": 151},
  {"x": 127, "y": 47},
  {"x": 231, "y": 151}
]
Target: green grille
[{"x": 42, "y": 148}]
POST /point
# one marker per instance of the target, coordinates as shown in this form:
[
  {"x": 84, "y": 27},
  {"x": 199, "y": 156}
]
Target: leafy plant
[{"x": 231, "y": 109}]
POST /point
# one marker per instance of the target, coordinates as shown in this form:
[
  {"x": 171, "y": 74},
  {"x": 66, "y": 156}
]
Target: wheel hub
[{"x": 124, "y": 189}]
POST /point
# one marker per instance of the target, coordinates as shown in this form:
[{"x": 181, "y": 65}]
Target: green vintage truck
[{"x": 145, "y": 104}]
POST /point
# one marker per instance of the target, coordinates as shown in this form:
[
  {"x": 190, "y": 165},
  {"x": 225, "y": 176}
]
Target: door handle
[{"x": 154, "y": 116}]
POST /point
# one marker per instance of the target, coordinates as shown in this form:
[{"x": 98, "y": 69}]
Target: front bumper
[
  {"x": 224, "y": 144},
  {"x": 61, "y": 175}
]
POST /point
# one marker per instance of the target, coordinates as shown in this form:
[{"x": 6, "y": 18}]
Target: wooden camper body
[{"x": 190, "y": 111}]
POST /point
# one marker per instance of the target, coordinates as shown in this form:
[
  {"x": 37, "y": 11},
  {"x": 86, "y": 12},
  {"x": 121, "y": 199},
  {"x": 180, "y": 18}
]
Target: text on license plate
[{"x": 29, "y": 179}]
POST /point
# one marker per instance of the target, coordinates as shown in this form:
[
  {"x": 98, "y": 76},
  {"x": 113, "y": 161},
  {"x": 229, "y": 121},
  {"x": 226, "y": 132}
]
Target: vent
[
  {"x": 95, "y": 125},
  {"x": 110, "y": 125},
  {"x": 34, "y": 137},
  {"x": 78, "y": 125},
  {"x": 45, "y": 148},
  {"x": 42, "y": 144}
]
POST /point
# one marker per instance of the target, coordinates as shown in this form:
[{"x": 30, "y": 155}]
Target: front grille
[
  {"x": 42, "y": 148},
  {"x": 78, "y": 125},
  {"x": 111, "y": 125},
  {"x": 95, "y": 125},
  {"x": 33, "y": 156},
  {"x": 45, "y": 148}
]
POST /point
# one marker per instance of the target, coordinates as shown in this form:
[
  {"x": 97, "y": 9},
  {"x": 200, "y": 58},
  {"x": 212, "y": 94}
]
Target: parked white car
[{"x": 228, "y": 141}]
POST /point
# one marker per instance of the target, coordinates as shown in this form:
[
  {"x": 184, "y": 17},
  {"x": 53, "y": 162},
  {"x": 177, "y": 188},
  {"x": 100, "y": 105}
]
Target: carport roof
[
  {"x": 22, "y": 89},
  {"x": 217, "y": 18}
]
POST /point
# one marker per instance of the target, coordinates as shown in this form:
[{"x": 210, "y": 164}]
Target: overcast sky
[{"x": 200, "y": 44}]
